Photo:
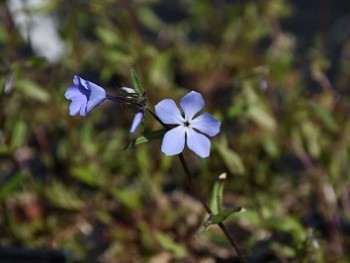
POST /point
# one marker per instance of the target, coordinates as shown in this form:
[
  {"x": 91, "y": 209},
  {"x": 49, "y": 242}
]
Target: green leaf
[
  {"x": 149, "y": 18},
  {"x": 130, "y": 198},
  {"x": 19, "y": 134},
  {"x": 63, "y": 197},
  {"x": 11, "y": 185},
  {"x": 218, "y": 218},
  {"x": 216, "y": 197},
  {"x": 167, "y": 243},
  {"x": 86, "y": 175},
  {"x": 136, "y": 82},
  {"x": 33, "y": 90},
  {"x": 231, "y": 159},
  {"x": 204, "y": 227},
  {"x": 107, "y": 36},
  {"x": 262, "y": 117},
  {"x": 325, "y": 116},
  {"x": 223, "y": 215},
  {"x": 146, "y": 138}
]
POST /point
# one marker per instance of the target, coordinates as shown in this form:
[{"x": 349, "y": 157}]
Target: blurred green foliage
[{"x": 66, "y": 182}]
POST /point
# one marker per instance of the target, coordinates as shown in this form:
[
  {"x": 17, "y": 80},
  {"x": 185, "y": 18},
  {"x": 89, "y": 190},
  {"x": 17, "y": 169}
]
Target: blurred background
[{"x": 275, "y": 72}]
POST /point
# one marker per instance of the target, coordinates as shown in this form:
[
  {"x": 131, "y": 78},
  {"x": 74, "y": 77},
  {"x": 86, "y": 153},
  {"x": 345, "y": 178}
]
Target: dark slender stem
[
  {"x": 157, "y": 118},
  {"x": 194, "y": 188},
  {"x": 193, "y": 185}
]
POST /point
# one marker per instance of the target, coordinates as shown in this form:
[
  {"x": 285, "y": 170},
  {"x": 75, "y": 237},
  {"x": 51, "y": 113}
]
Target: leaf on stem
[
  {"x": 136, "y": 82},
  {"x": 223, "y": 215},
  {"x": 218, "y": 218},
  {"x": 216, "y": 197}
]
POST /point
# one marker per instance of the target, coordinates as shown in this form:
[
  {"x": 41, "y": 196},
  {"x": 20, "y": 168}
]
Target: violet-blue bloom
[
  {"x": 85, "y": 96},
  {"x": 189, "y": 128}
]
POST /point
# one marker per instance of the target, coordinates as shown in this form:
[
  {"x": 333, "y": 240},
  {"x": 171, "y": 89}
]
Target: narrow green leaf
[
  {"x": 33, "y": 90},
  {"x": 223, "y": 215},
  {"x": 204, "y": 227},
  {"x": 61, "y": 196},
  {"x": 167, "y": 243},
  {"x": 325, "y": 116},
  {"x": 86, "y": 175},
  {"x": 11, "y": 185},
  {"x": 129, "y": 198},
  {"x": 136, "y": 82},
  {"x": 19, "y": 134},
  {"x": 216, "y": 197},
  {"x": 107, "y": 36},
  {"x": 146, "y": 138},
  {"x": 232, "y": 160},
  {"x": 218, "y": 218}
]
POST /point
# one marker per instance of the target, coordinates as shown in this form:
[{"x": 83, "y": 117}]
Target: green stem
[{"x": 194, "y": 188}]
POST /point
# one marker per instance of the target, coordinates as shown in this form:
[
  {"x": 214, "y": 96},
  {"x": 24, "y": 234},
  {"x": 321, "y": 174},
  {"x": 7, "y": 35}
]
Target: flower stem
[{"x": 194, "y": 188}]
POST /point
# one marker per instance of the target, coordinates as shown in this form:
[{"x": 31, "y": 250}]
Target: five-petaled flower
[
  {"x": 188, "y": 127},
  {"x": 85, "y": 96}
]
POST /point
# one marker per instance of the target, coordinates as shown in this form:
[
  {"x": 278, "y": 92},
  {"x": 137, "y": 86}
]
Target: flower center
[{"x": 186, "y": 124}]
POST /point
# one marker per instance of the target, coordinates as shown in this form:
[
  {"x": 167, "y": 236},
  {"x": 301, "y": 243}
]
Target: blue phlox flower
[
  {"x": 190, "y": 128},
  {"x": 85, "y": 95}
]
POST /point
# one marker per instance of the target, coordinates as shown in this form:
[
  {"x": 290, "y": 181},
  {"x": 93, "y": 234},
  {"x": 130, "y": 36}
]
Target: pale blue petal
[
  {"x": 168, "y": 112},
  {"x": 198, "y": 143},
  {"x": 93, "y": 103},
  {"x": 72, "y": 92},
  {"x": 83, "y": 110},
  {"x": 136, "y": 122},
  {"x": 97, "y": 95},
  {"x": 75, "y": 105},
  {"x": 80, "y": 82},
  {"x": 207, "y": 124},
  {"x": 76, "y": 80},
  {"x": 191, "y": 104},
  {"x": 174, "y": 141}
]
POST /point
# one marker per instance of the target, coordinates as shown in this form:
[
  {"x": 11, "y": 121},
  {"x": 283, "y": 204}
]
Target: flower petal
[
  {"x": 97, "y": 95},
  {"x": 168, "y": 112},
  {"x": 136, "y": 122},
  {"x": 191, "y": 104},
  {"x": 207, "y": 124},
  {"x": 72, "y": 92},
  {"x": 83, "y": 110},
  {"x": 198, "y": 143},
  {"x": 174, "y": 141},
  {"x": 76, "y": 80},
  {"x": 75, "y": 105},
  {"x": 80, "y": 82}
]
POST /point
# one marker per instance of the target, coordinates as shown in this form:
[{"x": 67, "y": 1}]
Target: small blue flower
[
  {"x": 85, "y": 96},
  {"x": 189, "y": 128}
]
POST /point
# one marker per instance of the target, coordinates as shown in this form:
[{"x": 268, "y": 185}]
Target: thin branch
[{"x": 194, "y": 188}]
